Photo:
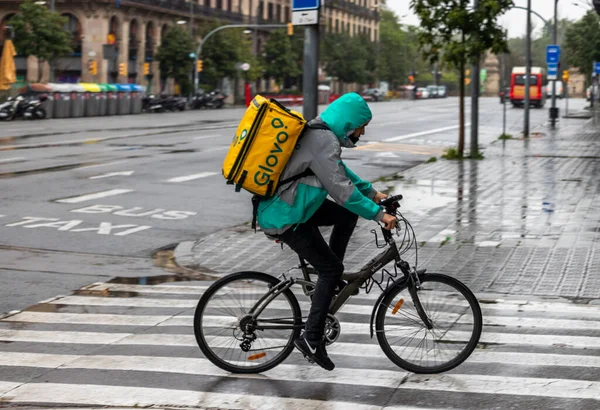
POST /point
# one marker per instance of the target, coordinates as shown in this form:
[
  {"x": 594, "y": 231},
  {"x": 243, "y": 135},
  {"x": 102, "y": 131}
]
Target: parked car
[
  {"x": 442, "y": 91},
  {"x": 559, "y": 89},
  {"x": 422, "y": 92},
  {"x": 433, "y": 91},
  {"x": 373, "y": 94}
]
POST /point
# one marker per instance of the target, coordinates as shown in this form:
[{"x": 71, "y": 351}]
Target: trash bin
[
  {"x": 103, "y": 100},
  {"x": 111, "y": 99},
  {"x": 137, "y": 94},
  {"x": 92, "y": 102},
  {"x": 123, "y": 99},
  {"x": 77, "y": 100},
  {"x": 62, "y": 100}
]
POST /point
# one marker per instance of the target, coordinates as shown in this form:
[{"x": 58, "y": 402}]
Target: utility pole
[
  {"x": 475, "y": 101},
  {"x": 310, "y": 80},
  {"x": 527, "y": 70},
  {"x": 553, "y": 110}
]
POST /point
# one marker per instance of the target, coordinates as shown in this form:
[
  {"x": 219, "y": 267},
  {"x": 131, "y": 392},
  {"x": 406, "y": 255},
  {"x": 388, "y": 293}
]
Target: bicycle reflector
[
  {"x": 257, "y": 356},
  {"x": 398, "y": 306}
]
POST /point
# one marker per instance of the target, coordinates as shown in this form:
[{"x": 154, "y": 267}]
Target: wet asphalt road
[{"x": 107, "y": 192}]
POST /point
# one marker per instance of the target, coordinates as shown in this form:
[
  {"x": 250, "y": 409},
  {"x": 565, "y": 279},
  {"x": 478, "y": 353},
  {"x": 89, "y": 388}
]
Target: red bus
[{"x": 537, "y": 96}]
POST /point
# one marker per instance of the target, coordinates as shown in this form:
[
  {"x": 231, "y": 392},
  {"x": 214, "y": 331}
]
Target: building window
[
  {"x": 261, "y": 9},
  {"x": 337, "y": 25},
  {"x": 330, "y": 25},
  {"x": 288, "y": 17},
  {"x": 270, "y": 11},
  {"x": 279, "y": 12},
  {"x": 229, "y": 5},
  {"x": 369, "y": 33},
  {"x": 219, "y": 4}
]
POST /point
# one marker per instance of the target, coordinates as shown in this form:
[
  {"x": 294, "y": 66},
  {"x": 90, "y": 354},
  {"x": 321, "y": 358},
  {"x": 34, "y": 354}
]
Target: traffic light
[
  {"x": 290, "y": 29},
  {"x": 467, "y": 81},
  {"x": 146, "y": 68},
  {"x": 565, "y": 76},
  {"x": 93, "y": 67},
  {"x": 199, "y": 66},
  {"x": 123, "y": 69},
  {"x": 411, "y": 79}
]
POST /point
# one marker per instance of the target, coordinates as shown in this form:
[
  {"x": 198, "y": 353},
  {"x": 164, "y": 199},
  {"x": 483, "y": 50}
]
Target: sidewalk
[{"x": 525, "y": 220}]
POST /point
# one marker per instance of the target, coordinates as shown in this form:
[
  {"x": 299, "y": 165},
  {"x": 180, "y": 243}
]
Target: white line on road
[
  {"x": 102, "y": 165},
  {"x": 191, "y": 177},
  {"x": 418, "y": 134},
  {"x": 205, "y": 137},
  {"x": 112, "y": 174},
  {"x": 13, "y": 159},
  {"x": 89, "y": 197}
]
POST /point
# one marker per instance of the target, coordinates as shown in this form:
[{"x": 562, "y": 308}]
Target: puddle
[
  {"x": 106, "y": 293},
  {"x": 44, "y": 170},
  {"x": 422, "y": 196},
  {"x": 181, "y": 151},
  {"x": 143, "y": 280}
]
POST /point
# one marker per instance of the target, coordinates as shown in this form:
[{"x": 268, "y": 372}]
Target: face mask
[{"x": 354, "y": 139}]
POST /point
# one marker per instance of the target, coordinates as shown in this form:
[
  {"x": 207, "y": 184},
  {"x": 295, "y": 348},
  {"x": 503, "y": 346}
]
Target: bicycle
[{"x": 262, "y": 316}]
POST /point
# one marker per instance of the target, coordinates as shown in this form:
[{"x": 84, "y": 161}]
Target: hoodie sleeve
[
  {"x": 328, "y": 167},
  {"x": 363, "y": 186}
]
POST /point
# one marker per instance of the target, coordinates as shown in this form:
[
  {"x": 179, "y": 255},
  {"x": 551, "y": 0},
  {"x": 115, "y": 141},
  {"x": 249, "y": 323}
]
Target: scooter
[
  {"x": 34, "y": 109},
  {"x": 214, "y": 99},
  {"x": 12, "y": 108},
  {"x": 151, "y": 103}
]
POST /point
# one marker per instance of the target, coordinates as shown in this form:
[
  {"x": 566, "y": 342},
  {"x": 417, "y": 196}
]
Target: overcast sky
[{"x": 514, "y": 20}]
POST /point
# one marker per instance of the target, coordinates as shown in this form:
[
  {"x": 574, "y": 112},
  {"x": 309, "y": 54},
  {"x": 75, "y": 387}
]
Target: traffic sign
[
  {"x": 305, "y": 4},
  {"x": 596, "y": 68},
  {"x": 552, "y": 54},
  {"x": 552, "y": 71}
]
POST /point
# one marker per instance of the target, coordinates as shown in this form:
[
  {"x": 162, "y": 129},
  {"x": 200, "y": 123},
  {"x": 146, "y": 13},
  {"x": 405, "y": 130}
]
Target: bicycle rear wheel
[
  {"x": 228, "y": 335},
  {"x": 456, "y": 325}
]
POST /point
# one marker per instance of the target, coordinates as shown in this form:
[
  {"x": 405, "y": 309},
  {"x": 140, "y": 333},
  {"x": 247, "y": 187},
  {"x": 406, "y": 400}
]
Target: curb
[{"x": 183, "y": 255}]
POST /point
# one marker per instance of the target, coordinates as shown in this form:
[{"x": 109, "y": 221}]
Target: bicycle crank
[{"x": 333, "y": 329}]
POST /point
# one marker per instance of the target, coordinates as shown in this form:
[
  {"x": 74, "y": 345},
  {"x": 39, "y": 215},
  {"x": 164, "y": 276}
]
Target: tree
[
  {"x": 462, "y": 34},
  {"x": 394, "y": 64},
  {"x": 221, "y": 54},
  {"x": 279, "y": 57},
  {"x": 582, "y": 43},
  {"x": 174, "y": 56},
  {"x": 40, "y": 32},
  {"x": 346, "y": 58}
]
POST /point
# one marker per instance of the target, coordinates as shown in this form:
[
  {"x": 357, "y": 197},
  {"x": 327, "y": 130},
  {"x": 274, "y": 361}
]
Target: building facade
[{"x": 114, "y": 33}]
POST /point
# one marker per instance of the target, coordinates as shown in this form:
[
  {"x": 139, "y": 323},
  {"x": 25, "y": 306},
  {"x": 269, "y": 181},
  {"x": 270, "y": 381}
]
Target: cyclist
[{"x": 293, "y": 215}]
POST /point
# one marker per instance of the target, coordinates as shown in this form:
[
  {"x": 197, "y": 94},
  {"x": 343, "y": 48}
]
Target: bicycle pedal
[{"x": 309, "y": 360}]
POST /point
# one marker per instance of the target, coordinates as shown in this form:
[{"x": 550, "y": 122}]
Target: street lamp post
[
  {"x": 553, "y": 113},
  {"x": 475, "y": 75},
  {"x": 527, "y": 71}
]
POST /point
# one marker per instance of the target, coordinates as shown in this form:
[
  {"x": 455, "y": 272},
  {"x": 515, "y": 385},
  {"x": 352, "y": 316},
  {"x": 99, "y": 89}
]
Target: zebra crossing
[{"x": 132, "y": 345}]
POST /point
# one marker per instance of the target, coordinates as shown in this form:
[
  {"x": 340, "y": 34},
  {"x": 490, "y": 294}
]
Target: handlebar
[{"x": 390, "y": 201}]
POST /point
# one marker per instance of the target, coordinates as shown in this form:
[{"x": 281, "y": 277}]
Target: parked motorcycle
[
  {"x": 215, "y": 99},
  {"x": 34, "y": 110},
  {"x": 152, "y": 103},
  {"x": 19, "y": 106}
]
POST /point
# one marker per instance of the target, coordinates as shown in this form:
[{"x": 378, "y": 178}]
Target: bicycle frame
[{"x": 356, "y": 279}]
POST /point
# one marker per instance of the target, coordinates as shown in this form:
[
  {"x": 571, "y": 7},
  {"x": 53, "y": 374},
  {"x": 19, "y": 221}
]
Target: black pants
[{"x": 306, "y": 240}]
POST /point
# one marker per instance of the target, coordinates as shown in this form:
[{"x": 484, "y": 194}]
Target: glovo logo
[
  {"x": 239, "y": 139},
  {"x": 263, "y": 176}
]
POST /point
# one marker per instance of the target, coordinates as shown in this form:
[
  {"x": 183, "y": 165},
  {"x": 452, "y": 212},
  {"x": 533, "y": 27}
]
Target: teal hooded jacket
[{"x": 320, "y": 150}]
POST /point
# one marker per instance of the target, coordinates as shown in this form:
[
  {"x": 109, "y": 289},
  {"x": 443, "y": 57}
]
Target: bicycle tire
[
  {"x": 388, "y": 304},
  {"x": 228, "y": 280}
]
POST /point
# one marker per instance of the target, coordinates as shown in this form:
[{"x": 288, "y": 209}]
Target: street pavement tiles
[{"x": 113, "y": 344}]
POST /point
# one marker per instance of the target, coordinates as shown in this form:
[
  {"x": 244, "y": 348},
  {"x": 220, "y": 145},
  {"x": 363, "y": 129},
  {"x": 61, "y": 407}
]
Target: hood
[{"x": 346, "y": 114}]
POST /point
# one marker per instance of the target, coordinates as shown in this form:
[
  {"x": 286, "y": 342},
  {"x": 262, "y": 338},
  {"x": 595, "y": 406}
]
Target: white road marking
[
  {"x": 112, "y": 174},
  {"x": 14, "y": 159},
  {"x": 90, "y": 394},
  {"x": 5, "y": 387},
  {"x": 205, "y": 137},
  {"x": 102, "y": 165},
  {"x": 192, "y": 177},
  {"x": 89, "y": 197},
  {"x": 418, "y": 134}
]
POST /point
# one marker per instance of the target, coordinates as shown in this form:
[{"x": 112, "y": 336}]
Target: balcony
[
  {"x": 353, "y": 8},
  {"x": 182, "y": 8}
]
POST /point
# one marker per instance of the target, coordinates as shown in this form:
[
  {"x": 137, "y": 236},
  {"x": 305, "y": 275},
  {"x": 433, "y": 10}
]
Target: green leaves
[
  {"x": 582, "y": 43},
  {"x": 348, "y": 58},
  {"x": 279, "y": 57},
  {"x": 461, "y": 33},
  {"x": 174, "y": 55},
  {"x": 40, "y": 32}
]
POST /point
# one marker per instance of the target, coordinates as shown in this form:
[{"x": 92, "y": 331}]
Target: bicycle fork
[{"x": 413, "y": 286}]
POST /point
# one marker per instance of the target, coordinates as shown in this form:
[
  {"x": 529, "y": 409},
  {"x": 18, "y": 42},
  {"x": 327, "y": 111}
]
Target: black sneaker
[{"x": 316, "y": 354}]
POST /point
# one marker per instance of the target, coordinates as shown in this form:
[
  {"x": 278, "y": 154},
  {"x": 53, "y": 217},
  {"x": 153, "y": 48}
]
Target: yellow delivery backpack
[{"x": 262, "y": 146}]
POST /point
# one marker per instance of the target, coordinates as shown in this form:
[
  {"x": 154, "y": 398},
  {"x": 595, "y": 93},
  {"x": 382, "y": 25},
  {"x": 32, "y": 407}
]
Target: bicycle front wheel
[
  {"x": 453, "y": 332},
  {"x": 236, "y": 340}
]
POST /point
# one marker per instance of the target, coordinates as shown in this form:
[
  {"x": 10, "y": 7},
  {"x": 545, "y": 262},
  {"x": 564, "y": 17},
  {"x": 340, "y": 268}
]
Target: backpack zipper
[{"x": 244, "y": 151}]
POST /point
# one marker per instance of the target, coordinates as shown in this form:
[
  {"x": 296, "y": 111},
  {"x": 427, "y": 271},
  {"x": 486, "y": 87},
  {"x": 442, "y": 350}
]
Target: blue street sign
[
  {"x": 596, "y": 68},
  {"x": 552, "y": 71},
  {"x": 552, "y": 54},
  {"x": 305, "y": 5}
]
